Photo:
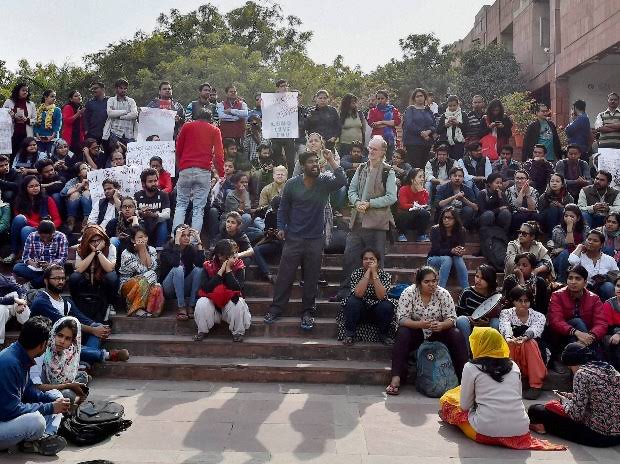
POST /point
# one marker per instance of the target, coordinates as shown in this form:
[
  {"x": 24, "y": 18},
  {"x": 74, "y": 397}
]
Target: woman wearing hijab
[
  {"x": 94, "y": 273},
  {"x": 487, "y": 406},
  {"x": 590, "y": 415}
]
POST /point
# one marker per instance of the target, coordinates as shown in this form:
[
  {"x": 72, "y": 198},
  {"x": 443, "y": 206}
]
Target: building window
[{"x": 544, "y": 32}]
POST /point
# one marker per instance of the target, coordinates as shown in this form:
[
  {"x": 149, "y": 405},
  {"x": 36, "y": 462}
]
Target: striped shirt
[
  {"x": 608, "y": 139},
  {"x": 469, "y": 301}
]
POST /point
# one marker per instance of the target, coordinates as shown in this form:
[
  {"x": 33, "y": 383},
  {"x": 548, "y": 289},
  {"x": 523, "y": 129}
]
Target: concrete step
[
  {"x": 222, "y": 346},
  {"x": 406, "y": 261},
  {"x": 472, "y": 246},
  {"x": 247, "y": 370}
]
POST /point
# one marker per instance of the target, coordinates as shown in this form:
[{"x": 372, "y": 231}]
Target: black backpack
[
  {"x": 493, "y": 245},
  {"x": 93, "y": 422}
]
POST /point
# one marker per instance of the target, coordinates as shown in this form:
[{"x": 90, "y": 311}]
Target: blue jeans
[
  {"x": 28, "y": 427},
  {"x": 593, "y": 220},
  {"x": 158, "y": 235},
  {"x": 551, "y": 217},
  {"x": 444, "y": 263},
  {"x": 269, "y": 248},
  {"x": 578, "y": 324},
  {"x": 19, "y": 232},
  {"x": 609, "y": 251},
  {"x": 116, "y": 242},
  {"x": 463, "y": 324},
  {"x": 80, "y": 207},
  {"x": 177, "y": 285},
  {"x": 194, "y": 183},
  {"x": 560, "y": 264},
  {"x": 91, "y": 349},
  {"x": 380, "y": 313},
  {"x": 35, "y": 277},
  {"x": 604, "y": 291}
]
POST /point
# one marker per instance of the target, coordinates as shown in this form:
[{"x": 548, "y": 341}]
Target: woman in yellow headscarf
[{"x": 487, "y": 406}]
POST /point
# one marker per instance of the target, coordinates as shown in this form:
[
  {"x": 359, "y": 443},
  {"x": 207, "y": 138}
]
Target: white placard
[
  {"x": 609, "y": 160},
  {"x": 127, "y": 176},
  {"x": 6, "y": 131},
  {"x": 139, "y": 154},
  {"x": 279, "y": 115},
  {"x": 155, "y": 121}
]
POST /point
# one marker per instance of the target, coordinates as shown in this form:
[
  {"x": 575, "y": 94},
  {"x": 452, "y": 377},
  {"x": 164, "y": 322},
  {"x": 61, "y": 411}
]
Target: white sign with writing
[
  {"x": 127, "y": 176},
  {"x": 279, "y": 115},
  {"x": 140, "y": 153},
  {"x": 6, "y": 131},
  {"x": 609, "y": 160},
  {"x": 155, "y": 121}
]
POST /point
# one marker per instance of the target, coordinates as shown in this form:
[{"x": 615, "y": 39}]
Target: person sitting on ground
[
  {"x": 539, "y": 168},
  {"x": 485, "y": 285},
  {"x": 164, "y": 177},
  {"x": 575, "y": 170},
  {"x": 181, "y": 268},
  {"x": 526, "y": 242},
  {"x": 12, "y": 303},
  {"x": 58, "y": 367},
  {"x": 590, "y": 255},
  {"x": 221, "y": 297},
  {"x": 448, "y": 247},
  {"x": 43, "y": 248},
  {"x": 94, "y": 283},
  {"x": 217, "y": 196},
  {"x": 262, "y": 173},
  {"x": 26, "y": 159},
  {"x": 106, "y": 210},
  {"x": 368, "y": 303},
  {"x": 611, "y": 341},
  {"x": 571, "y": 231},
  {"x": 575, "y": 314},
  {"x": 31, "y": 207},
  {"x": 599, "y": 199},
  {"x": 590, "y": 415},
  {"x": 351, "y": 161},
  {"x": 138, "y": 276},
  {"x": 400, "y": 166},
  {"x": 477, "y": 166},
  {"x": 436, "y": 170},
  {"x": 233, "y": 231},
  {"x": 9, "y": 180},
  {"x": 414, "y": 212},
  {"x": 270, "y": 191},
  {"x": 524, "y": 277},
  {"x": 425, "y": 312},
  {"x": 523, "y": 200},
  {"x": 51, "y": 304},
  {"x": 270, "y": 243},
  {"x": 153, "y": 207},
  {"x": 238, "y": 200},
  {"x": 458, "y": 195},
  {"x": 127, "y": 218},
  {"x": 523, "y": 327},
  {"x": 493, "y": 205},
  {"x": 488, "y": 406},
  {"x": 51, "y": 182},
  {"x": 551, "y": 203},
  {"x": 28, "y": 416},
  {"x": 506, "y": 166},
  {"x": 64, "y": 159},
  {"x": 611, "y": 232},
  {"x": 117, "y": 159},
  {"x": 77, "y": 195}
]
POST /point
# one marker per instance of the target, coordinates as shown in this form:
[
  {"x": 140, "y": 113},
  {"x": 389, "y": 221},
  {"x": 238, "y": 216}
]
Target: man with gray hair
[{"x": 372, "y": 191}]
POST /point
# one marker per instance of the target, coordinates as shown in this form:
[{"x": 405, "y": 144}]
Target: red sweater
[
  {"x": 612, "y": 316},
  {"x": 561, "y": 310},
  {"x": 165, "y": 181},
  {"x": 67, "y": 126},
  {"x": 406, "y": 197},
  {"x": 34, "y": 218},
  {"x": 199, "y": 145}
]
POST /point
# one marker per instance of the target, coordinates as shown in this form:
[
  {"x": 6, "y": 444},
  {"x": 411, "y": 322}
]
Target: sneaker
[
  {"x": 271, "y": 317},
  {"x": 532, "y": 393},
  {"x": 323, "y": 283},
  {"x": 307, "y": 322},
  {"x": 237, "y": 338},
  {"x": 118, "y": 355},
  {"x": 402, "y": 238},
  {"x": 49, "y": 445},
  {"x": 9, "y": 259},
  {"x": 423, "y": 238}
]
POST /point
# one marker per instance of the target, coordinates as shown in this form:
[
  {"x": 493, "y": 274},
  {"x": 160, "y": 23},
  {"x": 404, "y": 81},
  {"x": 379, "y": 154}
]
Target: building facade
[{"x": 567, "y": 49}]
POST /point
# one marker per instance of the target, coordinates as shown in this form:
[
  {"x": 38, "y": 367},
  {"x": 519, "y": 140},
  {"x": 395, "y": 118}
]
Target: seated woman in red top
[
  {"x": 31, "y": 206},
  {"x": 611, "y": 341},
  {"x": 165, "y": 179},
  {"x": 413, "y": 212}
]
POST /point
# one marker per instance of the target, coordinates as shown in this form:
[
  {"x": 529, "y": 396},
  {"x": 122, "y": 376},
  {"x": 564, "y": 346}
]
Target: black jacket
[
  {"x": 531, "y": 138},
  {"x": 171, "y": 256},
  {"x": 324, "y": 121}
]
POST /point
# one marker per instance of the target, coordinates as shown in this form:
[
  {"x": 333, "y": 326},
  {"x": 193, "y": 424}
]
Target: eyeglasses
[{"x": 523, "y": 232}]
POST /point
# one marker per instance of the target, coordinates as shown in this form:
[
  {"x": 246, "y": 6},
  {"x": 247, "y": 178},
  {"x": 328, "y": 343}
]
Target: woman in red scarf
[
  {"x": 220, "y": 293},
  {"x": 72, "y": 125}
]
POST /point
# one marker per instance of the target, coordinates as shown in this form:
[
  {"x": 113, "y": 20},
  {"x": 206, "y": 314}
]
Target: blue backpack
[{"x": 435, "y": 373}]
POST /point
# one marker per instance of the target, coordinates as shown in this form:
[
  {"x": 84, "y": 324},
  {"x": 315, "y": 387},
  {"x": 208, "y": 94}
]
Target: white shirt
[
  {"x": 110, "y": 213},
  {"x": 495, "y": 408},
  {"x": 603, "y": 265},
  {"x": 111, "y": 255}
]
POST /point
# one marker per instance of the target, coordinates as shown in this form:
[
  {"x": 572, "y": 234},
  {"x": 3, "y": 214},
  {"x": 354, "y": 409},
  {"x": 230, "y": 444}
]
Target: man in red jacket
[
  {"x": 199, "y": 148},
  {"x": 575, "y": 313}
]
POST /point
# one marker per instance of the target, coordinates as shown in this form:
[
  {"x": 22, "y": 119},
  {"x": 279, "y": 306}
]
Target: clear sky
[{"x": 365, "y": 32}]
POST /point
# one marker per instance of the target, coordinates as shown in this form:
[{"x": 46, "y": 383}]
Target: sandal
[
  {"x": 393, "y": 390},
  {"x": 182, "y": 314},
  {"x": 141, "y": 313},
  {"x": 200, "y": 336}
]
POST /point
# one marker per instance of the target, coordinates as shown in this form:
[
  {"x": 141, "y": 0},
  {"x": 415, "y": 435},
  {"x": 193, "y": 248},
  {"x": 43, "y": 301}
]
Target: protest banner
[
  {"x": 6, "y": 131},
  {"x": 127, "y": 176},
  {"x": 608, "y": 160},
  {"x": 279, "y": 115},
  {"x": 155, "y": 121},
  {"x": 139, "y": 154}
]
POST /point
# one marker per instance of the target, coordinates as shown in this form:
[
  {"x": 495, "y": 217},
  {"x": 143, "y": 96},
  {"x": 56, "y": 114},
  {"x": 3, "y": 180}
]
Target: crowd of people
[{"x": 237, "y": 199}]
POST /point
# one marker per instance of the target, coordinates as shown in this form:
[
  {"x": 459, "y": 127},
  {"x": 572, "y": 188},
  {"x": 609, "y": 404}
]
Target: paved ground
[{"x": 202, "y": 422}]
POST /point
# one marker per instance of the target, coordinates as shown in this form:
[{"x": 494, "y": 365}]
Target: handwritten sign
[
  {"x": 139, "y": 154},
  {"x": 279, "y": 115},
  {"x": 155, "y": 121},
  {"x": 6, "y": 131},
  {"x": 608, "y": 160},
  {"x": 127, "y": 176}
]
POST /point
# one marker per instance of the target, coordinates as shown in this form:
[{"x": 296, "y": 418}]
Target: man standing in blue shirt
[
  {"x": 578, "y": 131},
  {"x": 301, "y": 223},
  {"x": 96, "y": 112},
  {"x": 28, "y": 416}
]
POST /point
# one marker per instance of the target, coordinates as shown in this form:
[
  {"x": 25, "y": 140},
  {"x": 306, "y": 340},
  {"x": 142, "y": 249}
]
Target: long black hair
[
  {"x": 15, "y": 92},
  {"x": 345, "y": 107},
  {"x": 23, "y": 155},
  {"x": 496, "y": 368},
  {"x": 24, "y": 204},
  {"x": 457, "y": 230},
  {"x": 579, "y": 225}
]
